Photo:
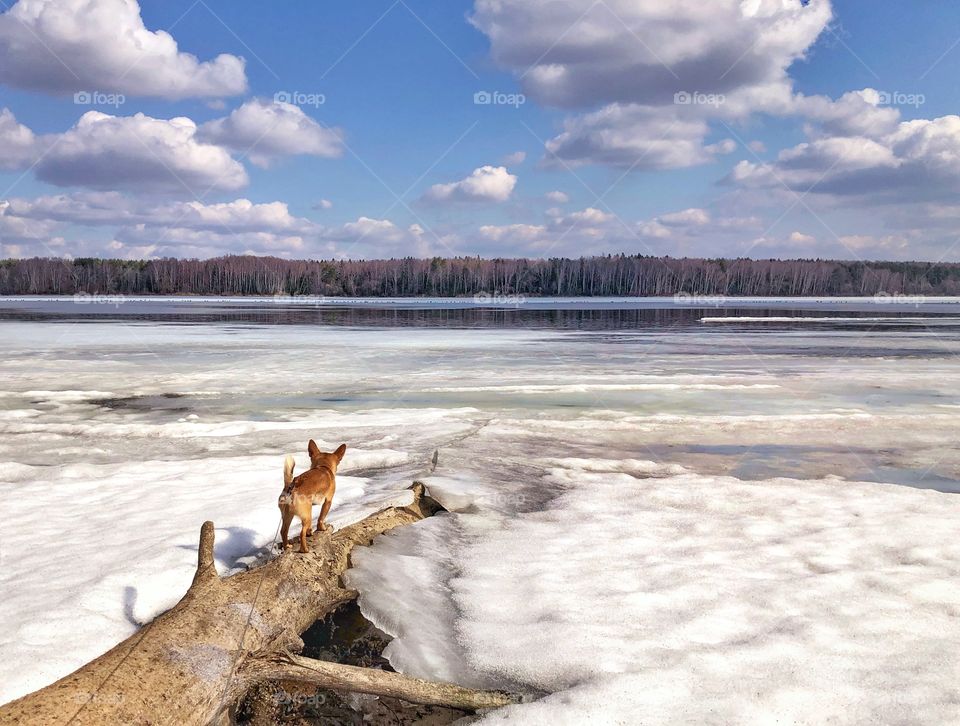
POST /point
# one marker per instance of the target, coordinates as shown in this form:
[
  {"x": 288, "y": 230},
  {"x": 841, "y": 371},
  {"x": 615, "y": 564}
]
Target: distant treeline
[{"x": 464, "y": 276}]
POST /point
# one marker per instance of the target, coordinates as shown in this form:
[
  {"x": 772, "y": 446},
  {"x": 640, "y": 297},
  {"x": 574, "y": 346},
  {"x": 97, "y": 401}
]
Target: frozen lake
[{"x": 728, "y": 511}]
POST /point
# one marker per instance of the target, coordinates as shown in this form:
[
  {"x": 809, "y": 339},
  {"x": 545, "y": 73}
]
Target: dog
[{"x": 313, "y": 486}]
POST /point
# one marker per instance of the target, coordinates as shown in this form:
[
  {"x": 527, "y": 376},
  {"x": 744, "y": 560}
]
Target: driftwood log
[{"x": 194, "y": 662}]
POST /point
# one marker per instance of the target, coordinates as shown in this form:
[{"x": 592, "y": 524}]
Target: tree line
[{"x": 610, "y": 275}]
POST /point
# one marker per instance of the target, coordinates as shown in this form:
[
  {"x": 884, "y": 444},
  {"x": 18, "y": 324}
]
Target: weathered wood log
[
  {"x": 336, "y": 676},
  {"x": 193, "y": 662}
]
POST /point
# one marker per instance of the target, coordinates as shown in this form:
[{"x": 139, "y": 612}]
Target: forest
[{"x": 611, "y": 275}]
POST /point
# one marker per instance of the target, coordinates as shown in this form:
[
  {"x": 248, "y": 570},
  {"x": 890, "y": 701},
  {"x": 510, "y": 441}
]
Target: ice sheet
[{"x": 666, "y": 522}]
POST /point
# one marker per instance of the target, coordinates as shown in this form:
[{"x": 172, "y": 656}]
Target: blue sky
[{"x": 720, "y": 128}]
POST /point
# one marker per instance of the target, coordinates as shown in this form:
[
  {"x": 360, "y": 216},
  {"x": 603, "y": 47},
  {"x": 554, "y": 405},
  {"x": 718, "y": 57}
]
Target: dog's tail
[{"x": 288, "y": 464}]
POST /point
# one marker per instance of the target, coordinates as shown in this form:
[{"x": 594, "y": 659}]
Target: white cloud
[
  {"x": 266, "y": 130},
  {"x": 688, "y": 232},
  {"x": 687, "y": 218},
  {"x": 579, "y": 232},
  {"x": 587, "y": 218},
  {"x": 378, "y": 230},
  {"x": 323, "y": 204},
  {"x": 18, "y": 144},
  {"x": 843, "y": 247},
  {"x": 857, "y": 113},
  {"x": 514, "y": 232},
  {"x": 189, "y": 242},
  {"x": 517, "y": 157},
  {"x": 486, "y": 184},
  {"x": 636, "y": 137},
  {"x": 917, "y": 160},
  {"x": 137, "y": 153},
  {"x": 374, "y": 238},
  {"x": 112, "y": 208},
  {"x": 632, "y": 58},
  {"x": 801, "y": 239},
  {"x": 238, "y": 215},
  {"x": 557, "y": 197},
  {"x": 145, "y": 228},
  {"x": 574, "y": 54},
  {"x": 15, "y": 229},
  {"x": 63, "y": 46}
]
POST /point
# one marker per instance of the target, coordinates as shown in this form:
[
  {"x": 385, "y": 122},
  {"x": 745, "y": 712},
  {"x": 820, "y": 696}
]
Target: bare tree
[{"x": 622, "y": 275}]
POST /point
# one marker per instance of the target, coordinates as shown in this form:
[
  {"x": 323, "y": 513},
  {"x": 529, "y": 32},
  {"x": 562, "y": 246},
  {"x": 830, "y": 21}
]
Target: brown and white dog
[{"x": 313, "y": 486}]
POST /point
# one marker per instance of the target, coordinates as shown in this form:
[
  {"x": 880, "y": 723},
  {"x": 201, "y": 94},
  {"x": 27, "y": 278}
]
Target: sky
[{"x": 499, "y": 128}]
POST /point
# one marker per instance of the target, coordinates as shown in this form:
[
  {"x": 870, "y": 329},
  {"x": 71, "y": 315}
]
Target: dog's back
[{"x": 317, "y": 484}]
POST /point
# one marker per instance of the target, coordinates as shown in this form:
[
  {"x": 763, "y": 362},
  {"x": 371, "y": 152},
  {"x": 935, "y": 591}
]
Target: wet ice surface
[{"x": 735, "y": 523}]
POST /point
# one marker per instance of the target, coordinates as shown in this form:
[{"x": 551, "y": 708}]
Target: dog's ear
[
  {"x": 341, "y": 450},
  {"x": 313, "y": 450}
]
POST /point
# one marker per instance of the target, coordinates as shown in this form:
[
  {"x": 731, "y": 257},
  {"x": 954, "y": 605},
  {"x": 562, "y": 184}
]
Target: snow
[
  {"x": 832, "y": 319},
  {"x": 682, "y": 597},
  {"x": 693, "y": 523}
]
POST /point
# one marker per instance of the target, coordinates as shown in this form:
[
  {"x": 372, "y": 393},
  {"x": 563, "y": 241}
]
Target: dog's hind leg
[
  {"x": 321, "y": 524},
  {"x": 304, "y": 528},
  {"x": 286, "y": 518},
  {"x": 303, "y": 509}
]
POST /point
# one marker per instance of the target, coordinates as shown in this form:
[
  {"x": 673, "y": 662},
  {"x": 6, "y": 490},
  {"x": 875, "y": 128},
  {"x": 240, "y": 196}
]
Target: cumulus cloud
[
  {"x": 485, "y": 184},
  {"x": 586, "y": 230},
  {"x": 634, "y": 137},
  {"x": 659, "y": 77},
  {"x": 372, "y": 238},
  {"x": 856, "y": 113},
  {"x": 517, "y": 157},
  {"x": 18, "y": 144},
  {"x": 64, "y": 46},
  {"x": 514, "y": 233},
  {"x": 137, "y": 153},
  {"x": 915, "y": 161},
  {"x": 688, "y": 217},
  {"x": 16, "y": 230},
  {"x": 113, "y": 208},
  {"x": 557, "y": 197},
  {"x": 146, "y": 228},
  {"x": 843, "y": 247},
  {"x": 266, "y": 130},
  {"x": 690, "y": 232},
  {"x": 572, "y": 53},
  {"x": 238, "y": 215},
  {"x": 800, "y": 238}
]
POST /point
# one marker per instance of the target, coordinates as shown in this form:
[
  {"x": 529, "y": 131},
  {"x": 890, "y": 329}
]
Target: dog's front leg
[{"x": 321, "y": 520}]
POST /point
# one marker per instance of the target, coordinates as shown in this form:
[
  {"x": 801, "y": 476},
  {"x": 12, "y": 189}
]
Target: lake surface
[{"x": 655, "y": 505}]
